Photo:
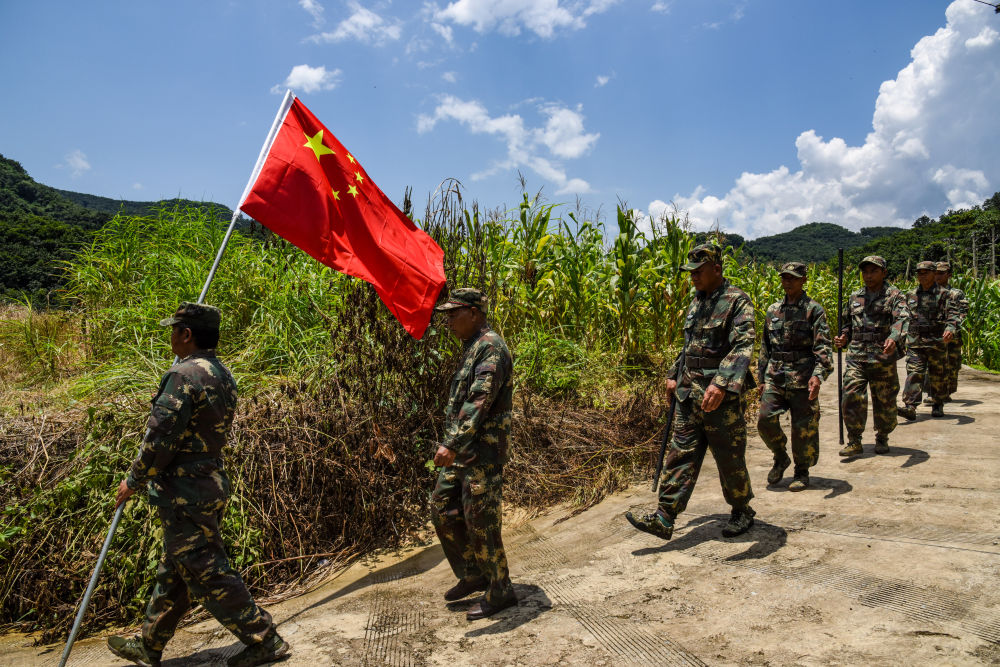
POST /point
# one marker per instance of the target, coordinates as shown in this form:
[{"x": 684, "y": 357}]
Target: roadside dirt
[{"x": 885, "y": 560}]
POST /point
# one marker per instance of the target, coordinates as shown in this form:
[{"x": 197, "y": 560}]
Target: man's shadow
[
  {"x": 916, "y": 456},
  {"x": 764, "y": 538},
  {"x": 836, "y": 487},
  {"x": 532, "y": 602},
  {"x": 960, "y": 420}
]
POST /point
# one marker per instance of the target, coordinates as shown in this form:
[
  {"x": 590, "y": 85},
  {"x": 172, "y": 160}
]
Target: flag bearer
[
  {"x": 180, "y": 463},
  {"x": 795, "y": 358}
]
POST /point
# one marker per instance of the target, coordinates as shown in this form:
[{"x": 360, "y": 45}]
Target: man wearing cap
[
  {"x": 719, "y": 338},
  {"x": 180, "y": 464},
  {"x": 942, "y": 274},
  {"x": 874, "y": 330},
  {"x": 795, "y": 358},
  {"x": 934, "y": 322},
  {"x": 466, "y": 501}
]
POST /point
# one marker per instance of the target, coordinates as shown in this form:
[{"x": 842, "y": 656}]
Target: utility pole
[{"x": 907, "y": 268}]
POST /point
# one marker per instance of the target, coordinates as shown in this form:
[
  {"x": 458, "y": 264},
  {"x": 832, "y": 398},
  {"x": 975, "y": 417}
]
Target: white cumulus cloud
[
  {"x": 363, "y": 25},
  {"x": 77, "y": 163},
  {"x": 933, "y": 147},
  {"x": 510, "y": 17},
  {"x": 539, "y": 149},
  {"x": 306, "y": 79}
]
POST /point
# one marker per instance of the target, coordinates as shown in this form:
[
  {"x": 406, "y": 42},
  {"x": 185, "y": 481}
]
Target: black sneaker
[
  {"x": 740, "y": 522},
  {"x": 937, "y": 410},
  {"x": 133, "y": 649},
  {"x": 270, "y": 650},
  {"x": 654, "y": 524},
  {"x": 881, "y": 444},
  {"x": 778, "y": 469},
  {"x": 465, "y": 587},
  {"x": 484, "y": 609}
]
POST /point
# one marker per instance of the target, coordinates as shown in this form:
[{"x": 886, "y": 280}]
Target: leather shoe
[
  {"x": 464, "y": 588},
  {"x": 484, "y": 609}
]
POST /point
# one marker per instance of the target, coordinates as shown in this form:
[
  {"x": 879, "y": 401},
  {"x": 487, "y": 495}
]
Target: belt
[
  {"x": 869, "y": 337},
  {"x": 932, "y": 329},
  {"x": 702, "y": 362},
  {"x": 792, "y": 355}
]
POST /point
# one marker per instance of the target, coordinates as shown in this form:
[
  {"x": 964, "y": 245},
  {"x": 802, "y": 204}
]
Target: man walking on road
[
  {"x": 466, "y": 501},
  {"x": 795, "y": 358},
  {"x": 933, "y": 324},
  {"x": 874, "y": 329},
  {"x": 711, "y": 401},
  {"x": 942, "y": 274},
  {"x": 180, "y": 462}
]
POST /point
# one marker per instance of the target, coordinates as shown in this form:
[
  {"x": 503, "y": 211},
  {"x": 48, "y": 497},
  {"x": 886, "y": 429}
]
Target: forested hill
[{"x": 811, "y": 243}]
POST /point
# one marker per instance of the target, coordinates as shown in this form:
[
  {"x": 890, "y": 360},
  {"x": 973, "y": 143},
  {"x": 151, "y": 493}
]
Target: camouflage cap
[
  {"x": 944, "y": 267},
  {"x": 874, "y": 260},
  {"x": 925, "y": 266},
  {"x": 464, "y": 297},
  {"x": 199, "y": 315},
  {"x": 706, "y": 252},
  {"x": 797, "y": 269}
]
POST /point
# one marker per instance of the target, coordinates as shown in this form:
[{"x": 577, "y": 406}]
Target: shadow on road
[
  {"x": 836, "y": 487},
  {"x": 206, "y": 656},
  {"x": 764, "y": 538},
  {"x": 915, "y": 455},
  {"x": 533, "y": 603}
]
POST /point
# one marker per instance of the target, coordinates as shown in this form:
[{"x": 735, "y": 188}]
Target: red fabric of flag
[{"x": 312, "y": 192}]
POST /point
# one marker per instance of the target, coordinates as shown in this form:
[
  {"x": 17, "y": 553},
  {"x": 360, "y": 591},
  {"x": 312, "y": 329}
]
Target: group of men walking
[{"x": 180, "y": 459}]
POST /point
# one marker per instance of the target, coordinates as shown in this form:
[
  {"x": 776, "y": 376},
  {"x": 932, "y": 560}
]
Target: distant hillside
[
  {"x": 126, "y": 207},
  {"x": 813, "y": 242}
]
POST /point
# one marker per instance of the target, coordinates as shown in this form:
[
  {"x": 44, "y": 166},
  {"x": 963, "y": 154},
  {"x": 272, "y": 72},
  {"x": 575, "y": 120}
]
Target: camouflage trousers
[
  {"x": 466, "y": 509},
  {"x": 926, "y": 370},
  {"x": 194, "y": 567},
  {"x": 723, "y": 431},
  {"x": 954, "y": 352},
  {"x": 774, "y": 402},
  {"x": 884, "y": 383}
]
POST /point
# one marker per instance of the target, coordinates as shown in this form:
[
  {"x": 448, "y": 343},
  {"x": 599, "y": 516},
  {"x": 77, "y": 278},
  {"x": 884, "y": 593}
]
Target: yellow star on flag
[
  {"x": 315, "y": 142},
  {"x": 350, "y": 157},
  {"x": 358, "y": 176},
  {"x": 352, "y": 190},
  {"x": 336, "y": 194}
]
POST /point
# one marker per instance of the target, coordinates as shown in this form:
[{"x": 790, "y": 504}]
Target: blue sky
[{"x": 757, "y": 115}]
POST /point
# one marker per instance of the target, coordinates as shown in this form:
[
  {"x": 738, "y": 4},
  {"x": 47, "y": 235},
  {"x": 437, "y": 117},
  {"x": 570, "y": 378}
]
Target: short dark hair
[{"x": 204, "y": 338}]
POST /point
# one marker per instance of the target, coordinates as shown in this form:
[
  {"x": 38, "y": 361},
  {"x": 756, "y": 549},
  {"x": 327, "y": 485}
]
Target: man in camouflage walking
[
  {"x": 942, "y": 274},
  {"x": 466, "y": 501},
  {"x": 933, "y": 324},
  {"x": 795, "y": 358},
  {"x": 711, "y": 401},
  {"x": 180, "y": 463},
  {"x": 874, "y": 330}
]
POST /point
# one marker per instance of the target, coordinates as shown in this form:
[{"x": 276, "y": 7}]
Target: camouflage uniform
[
  {"x": 795, "y": 347},
  {"x": 719, "y": 330},
  {"x": 466, "y": 504},
  {"x": 180, "y": 462},
  {"x": 867, "y": 324},
  {"x": 932, "y": 313},
  {"x": 954, "y": 348}
]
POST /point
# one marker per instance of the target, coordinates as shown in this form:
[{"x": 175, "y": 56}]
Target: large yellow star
[
  {"x": 336, "y": 194},
  {"x": 358, "y": 176},
  {"x": 352, "y": 190},
  {"x": 315, "y": 142},
  {"x": 350, "y": 157}
]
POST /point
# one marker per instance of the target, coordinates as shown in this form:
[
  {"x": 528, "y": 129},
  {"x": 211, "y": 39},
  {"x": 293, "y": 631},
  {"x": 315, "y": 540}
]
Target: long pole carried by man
[{"x": 840, "y": 352}]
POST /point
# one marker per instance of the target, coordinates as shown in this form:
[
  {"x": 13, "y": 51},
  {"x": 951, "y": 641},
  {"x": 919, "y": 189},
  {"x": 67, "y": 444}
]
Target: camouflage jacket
[
  {"x": 962, "y": 309},
  {"x": 477, "y": 419},
  {"x": 181, "y": 454},
  {"x": 795, "y": 345},
  {"x": 720, "y": 334},
  {"x": 932, "y": 312},
  {"x": 867, "y": 325}
]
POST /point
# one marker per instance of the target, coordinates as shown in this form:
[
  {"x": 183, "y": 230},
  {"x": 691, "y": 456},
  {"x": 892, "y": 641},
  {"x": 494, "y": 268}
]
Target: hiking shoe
[
  {"x": 465, "y": 587},
  {"x": 881, "y": 444},
  {"x": 800, "y": 482},
  {"x": 778, "y": 469},
  {"x": 484, "y": 609},
  {"x": 654, "y": 524},
  {"x": 739, "y": 522},
  {"x": 134, "y": 649},
  {"x": 937, "y": 410},
  {"x": 269, "y": 650},
  {"x": 907, "y": 411},
  {"x": 853, "y": 448}
]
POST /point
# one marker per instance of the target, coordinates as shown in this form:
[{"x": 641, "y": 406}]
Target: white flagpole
[{"x": 265, "y": 149}]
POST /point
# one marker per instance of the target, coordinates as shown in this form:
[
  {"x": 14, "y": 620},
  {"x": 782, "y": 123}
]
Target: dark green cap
[
  {"x": 875, "y": 260},
  {"x": 925, "y": 266},
  {"x": 198, "y": 315},
  {"x": 706, "y": 252},
  {"x": 797, "y": 269},
  {"x": 463, "y": 297}
]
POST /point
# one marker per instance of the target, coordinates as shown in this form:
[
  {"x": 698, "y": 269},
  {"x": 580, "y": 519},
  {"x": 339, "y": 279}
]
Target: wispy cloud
[
  {"x": 76, "y": 162},
  {"x": 306, "y": 79},
  {"x": 602, "y": 80},
  {"x": 363, "y": 25},
  {"x": 315, "y": 11},
  {"x": 510, "y": 17}
]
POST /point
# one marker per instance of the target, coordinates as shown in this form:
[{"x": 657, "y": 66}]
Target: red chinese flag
[{"x": 313, "y": 193}]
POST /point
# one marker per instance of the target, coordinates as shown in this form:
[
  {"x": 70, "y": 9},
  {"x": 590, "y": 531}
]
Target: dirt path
[{"x": 887, "y": 560}]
